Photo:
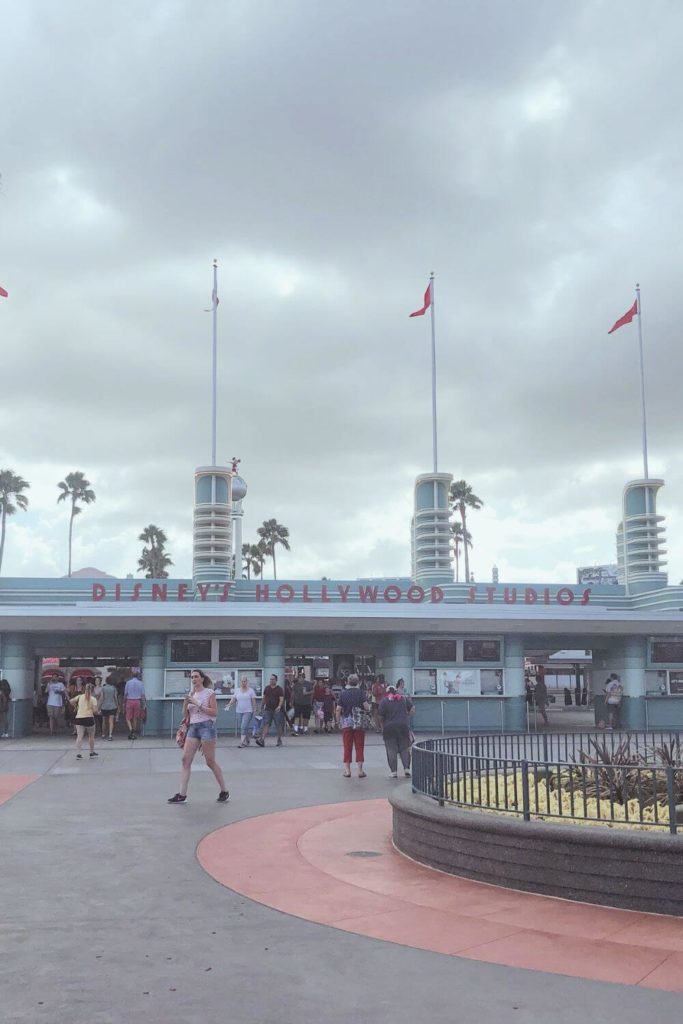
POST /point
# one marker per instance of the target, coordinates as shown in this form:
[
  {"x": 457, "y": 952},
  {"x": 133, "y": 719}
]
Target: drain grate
[{"x": 363, "y": 853}]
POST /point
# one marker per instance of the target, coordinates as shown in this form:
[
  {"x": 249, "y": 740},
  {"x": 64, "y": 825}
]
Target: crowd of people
[
  {"x": 57, "y": 704},
  {"x": 352, "y": 707},
  {"x": 90, "y": 707},
  {"x": 302, "y": 706}
]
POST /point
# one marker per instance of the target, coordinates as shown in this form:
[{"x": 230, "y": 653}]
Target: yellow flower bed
[{"x": 552, "y": 805}]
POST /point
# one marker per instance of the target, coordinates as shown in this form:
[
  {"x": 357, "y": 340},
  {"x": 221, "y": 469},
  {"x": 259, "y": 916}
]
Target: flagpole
[
  {"x": 214, "y": 318},
  {"x": 431, "y": 308},
  {"x": 642, "y": 384}
]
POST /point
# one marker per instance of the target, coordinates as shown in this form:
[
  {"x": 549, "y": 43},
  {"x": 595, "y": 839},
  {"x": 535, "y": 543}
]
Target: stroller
[{"x": 256, "y": 723}]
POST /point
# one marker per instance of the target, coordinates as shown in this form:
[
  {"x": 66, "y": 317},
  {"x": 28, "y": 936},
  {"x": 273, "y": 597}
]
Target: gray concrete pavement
[{"x": 107, "y": 916}]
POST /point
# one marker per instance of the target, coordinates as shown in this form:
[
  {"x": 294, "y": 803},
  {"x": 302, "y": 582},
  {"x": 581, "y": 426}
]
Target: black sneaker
[
  {"x": 93, "y": 753},
  {"x": 79, "y": 756},
  {"x": 177, "y": 799},
  {"x": 260, "y": 742},
  {"x": 279, "y": 742},
  {"x": 223, "y": 796}
]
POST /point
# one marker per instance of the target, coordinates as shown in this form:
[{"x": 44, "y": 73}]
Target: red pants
[{"x": 349, "y": 737}]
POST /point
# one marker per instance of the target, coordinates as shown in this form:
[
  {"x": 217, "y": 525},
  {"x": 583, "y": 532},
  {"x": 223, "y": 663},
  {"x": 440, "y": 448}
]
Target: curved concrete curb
[
  {"x": 306, "y": 862},
  {"x": 611, "y": 867}
]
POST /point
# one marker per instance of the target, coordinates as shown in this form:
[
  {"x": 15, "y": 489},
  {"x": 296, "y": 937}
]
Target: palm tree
[
  {"x": 154, "y": 561},
  {"x": 258, "y": 558},
  {"x": 459, "y": 538},
  {"x": 11, "y": 498},
  {"x": 246, "y": 560},
  {"x": 463, "y": 497},
  {"x": 75, "y": 487},
  {"x": 272, "y": 534}
]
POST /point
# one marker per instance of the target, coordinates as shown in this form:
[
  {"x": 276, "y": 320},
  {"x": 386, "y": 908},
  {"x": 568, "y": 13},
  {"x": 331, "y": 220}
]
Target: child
[
  {"x": 256, "y": 723},
  {"x": 328, "y": 709}
]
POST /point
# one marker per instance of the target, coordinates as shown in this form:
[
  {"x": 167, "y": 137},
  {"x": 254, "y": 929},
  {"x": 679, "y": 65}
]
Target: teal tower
[
  {"x": 430, "y": 530},
  {"x": 640, "y": 538},
  {"x": 212, "y": 525}
]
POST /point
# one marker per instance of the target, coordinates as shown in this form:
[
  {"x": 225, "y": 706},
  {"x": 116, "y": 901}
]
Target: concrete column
[
  {"x": 274, "y": 657},
  {"x": 514, "y": 688},
  {"x": 153, "y": 665},
  {"x": 633, "y": 659},
  {"x": 400, "y": 661},
  {"x": 17, "y": 669}
]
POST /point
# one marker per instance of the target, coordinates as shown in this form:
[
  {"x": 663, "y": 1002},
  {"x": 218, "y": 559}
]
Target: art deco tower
[
  {"x": 430, "y": 529},
  {"x": 640, "y": 538}
]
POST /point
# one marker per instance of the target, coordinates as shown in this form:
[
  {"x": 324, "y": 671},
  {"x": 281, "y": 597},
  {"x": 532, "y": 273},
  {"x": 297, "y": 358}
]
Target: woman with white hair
[
  {"x": 245, "y": 699},
  {"x": 350, "y": 710}
]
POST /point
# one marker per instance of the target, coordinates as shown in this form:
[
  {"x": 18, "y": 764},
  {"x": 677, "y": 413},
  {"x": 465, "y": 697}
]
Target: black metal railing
[{"x": 629, "y": 779}]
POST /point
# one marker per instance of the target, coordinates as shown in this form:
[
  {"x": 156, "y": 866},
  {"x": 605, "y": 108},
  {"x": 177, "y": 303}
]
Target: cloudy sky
[{"x": 330, "y": 155}]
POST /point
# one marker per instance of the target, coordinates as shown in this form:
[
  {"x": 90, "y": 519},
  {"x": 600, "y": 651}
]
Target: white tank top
[{"x": 200, "y": 714}]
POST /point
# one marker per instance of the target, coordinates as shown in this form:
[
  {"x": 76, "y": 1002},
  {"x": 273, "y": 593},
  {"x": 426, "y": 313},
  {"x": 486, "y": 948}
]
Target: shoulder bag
[
  {"x": 181, "y": 734},
  {"x": 362, "y": 719}
]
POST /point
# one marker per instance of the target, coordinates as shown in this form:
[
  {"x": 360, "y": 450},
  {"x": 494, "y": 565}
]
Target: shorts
[
  {"x": 273, "y": 717},
  {"x": 133, "y": 709},
  {"x": 201, "y": 731},
  {"x": 108, "y": 712},
  {"x": 302, "y": 710},
  {"x": 55, "y": 713},
  {"x": 87, "y": 723}
]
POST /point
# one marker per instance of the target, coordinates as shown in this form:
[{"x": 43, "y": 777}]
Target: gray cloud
[{"x": 330, "y": 156}]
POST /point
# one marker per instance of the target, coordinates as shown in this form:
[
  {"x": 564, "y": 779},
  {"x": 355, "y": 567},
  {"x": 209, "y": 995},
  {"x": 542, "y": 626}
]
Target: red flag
[
  {"x": 427, "y": 303},
  {"x": 214, "y": 301},
  {"x": 626, "y": 318},
  {"x": 4, "y": 294}
]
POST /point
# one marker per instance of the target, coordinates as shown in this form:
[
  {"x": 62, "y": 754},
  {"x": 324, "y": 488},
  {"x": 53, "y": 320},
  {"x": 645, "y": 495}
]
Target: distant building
[
  {"x": 90, "y": 573},
  {"x": 597, "y": 575}
]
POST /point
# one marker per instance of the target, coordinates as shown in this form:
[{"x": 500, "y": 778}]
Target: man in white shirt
[
  {"x": 614, "y": 691},
  {"x": 56, "y": 694}
]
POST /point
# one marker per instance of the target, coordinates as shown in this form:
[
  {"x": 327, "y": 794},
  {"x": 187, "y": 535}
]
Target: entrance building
[{"x": 462, "y": 649}]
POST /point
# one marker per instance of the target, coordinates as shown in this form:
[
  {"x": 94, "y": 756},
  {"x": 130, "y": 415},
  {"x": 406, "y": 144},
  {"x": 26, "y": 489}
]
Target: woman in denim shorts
[{"x": 202, "y": 710}]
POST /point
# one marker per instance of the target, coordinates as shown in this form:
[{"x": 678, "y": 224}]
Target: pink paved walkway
[
  {"x": 12, "y": 784},
  {"x": 304, "y": 862}
]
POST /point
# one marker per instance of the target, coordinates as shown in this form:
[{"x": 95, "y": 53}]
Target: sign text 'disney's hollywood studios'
[{"x": 339, "y": 593}]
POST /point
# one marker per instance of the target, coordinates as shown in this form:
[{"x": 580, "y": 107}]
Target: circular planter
[{"x": 592, "y": 864}]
